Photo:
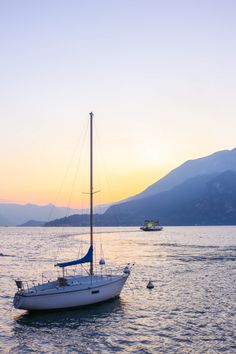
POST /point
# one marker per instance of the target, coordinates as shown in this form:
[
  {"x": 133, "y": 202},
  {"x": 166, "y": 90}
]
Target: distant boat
[
  {"x": 151, "y": 225},
  {"x": 76, "y": 290}
]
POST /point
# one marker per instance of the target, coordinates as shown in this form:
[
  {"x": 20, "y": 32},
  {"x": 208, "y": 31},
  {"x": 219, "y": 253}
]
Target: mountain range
[
  {"x": 200, "y": 191},
  {"x": 202, "y": 200},
  {"x": 17, "y": 214},
  {"x": 213, "y": 164}
]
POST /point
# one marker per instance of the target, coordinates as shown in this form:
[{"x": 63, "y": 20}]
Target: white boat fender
[{"x": 150, "y": 285}]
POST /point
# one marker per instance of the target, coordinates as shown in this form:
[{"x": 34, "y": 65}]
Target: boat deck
[{"x": 70, "y": 283}]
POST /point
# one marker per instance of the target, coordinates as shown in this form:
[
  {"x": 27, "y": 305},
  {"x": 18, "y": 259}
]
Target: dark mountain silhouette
[
  {"x": 179, "y": 198},
  {"x": 203, "y": 200},
  {"x": 215, "y": 163},
  {"x": 32, "y": 223},
  {"x": 219, "y": 203},
  {"x": 83, "y": 220}
]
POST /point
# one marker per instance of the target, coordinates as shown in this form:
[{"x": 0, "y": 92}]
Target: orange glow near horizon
[
  {"x": 50, "y": 175},
  {"x": 60, "y": 173},
  {"x": 120, "y": 187},
  {"x": 159, "y": 79}
]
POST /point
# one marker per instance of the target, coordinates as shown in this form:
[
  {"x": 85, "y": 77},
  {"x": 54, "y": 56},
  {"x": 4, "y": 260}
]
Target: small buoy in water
[
  {"x": 102, "y": 261},
  {"x": 150, "y": 285}
]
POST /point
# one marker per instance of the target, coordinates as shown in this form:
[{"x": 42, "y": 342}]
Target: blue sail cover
[{"x": 86, "y": 259}]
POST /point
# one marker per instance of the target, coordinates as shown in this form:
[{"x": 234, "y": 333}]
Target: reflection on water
[
  {"x": 72, "y": 330},
  {"x": 190, "y": 310},
  {"x": 72, "y": 318}
]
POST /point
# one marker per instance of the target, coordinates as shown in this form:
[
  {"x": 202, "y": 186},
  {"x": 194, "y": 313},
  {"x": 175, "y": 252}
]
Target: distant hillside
[
  {"x": 176, "y": 199},
  {"x": 215, "y": 163},
  {"x": 17, "y": 214},
  {"x": 219, "y": 203},
  {"x": 32, "y": 223},
  {"x": 83, "y": 220},
  {"x": 203, "y": 200}
]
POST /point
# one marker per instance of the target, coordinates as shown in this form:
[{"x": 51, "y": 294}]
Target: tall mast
[{"x": 91, "y": 189}]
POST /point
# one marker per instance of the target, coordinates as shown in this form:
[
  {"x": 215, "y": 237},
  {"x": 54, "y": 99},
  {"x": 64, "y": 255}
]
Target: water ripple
[{"x": 190, "y": 310}]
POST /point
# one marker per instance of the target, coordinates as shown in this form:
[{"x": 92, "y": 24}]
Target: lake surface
[{"x": 190, "y": 310}]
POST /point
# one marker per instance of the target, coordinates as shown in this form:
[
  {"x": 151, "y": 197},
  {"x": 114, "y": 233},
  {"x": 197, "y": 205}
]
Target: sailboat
[{"x": 76, "y": 290}]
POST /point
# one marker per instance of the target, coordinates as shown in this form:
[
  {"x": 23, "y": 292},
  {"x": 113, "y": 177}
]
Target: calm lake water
[{"x": 190, "y": 310}]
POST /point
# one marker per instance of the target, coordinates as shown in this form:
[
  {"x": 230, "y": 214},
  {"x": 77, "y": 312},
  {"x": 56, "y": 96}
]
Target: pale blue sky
[{"x": 159, "y": 75}]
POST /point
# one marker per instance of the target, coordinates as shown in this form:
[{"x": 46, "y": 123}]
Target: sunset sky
[{"x": 159, "y": 75}]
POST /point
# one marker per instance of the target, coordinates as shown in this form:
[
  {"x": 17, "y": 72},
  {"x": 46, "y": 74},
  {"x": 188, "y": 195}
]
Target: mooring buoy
[
  {"x": 150, "y": 285},
  {"x": 102, "y": 261}
]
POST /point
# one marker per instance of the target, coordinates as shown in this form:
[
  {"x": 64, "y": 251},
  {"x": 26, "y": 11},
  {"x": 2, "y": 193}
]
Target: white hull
[{"x": 70, "y": 295}]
